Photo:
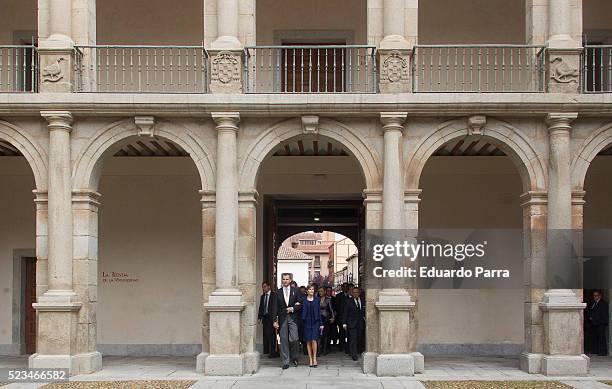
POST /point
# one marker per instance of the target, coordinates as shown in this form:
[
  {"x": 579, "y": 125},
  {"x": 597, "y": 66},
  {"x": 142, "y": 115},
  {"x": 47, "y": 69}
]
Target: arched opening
[
  {"x": 471, "y": 185},
  {"x": 150, "y": 251},
  {"x": 18, "y": 257},
  {"x": 309, "y": 183},
  {"x": 597, "y": 225}
]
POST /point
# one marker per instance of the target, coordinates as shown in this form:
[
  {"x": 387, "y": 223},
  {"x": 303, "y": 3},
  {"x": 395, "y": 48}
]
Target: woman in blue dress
[{"x": 313, "y": 326}]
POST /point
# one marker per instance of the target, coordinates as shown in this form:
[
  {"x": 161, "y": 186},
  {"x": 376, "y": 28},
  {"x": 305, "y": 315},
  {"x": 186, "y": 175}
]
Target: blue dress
[{"x": 311, "y": 317}]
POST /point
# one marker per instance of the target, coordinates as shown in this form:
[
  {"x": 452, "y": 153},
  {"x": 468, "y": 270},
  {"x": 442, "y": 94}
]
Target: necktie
[
  {"x": 358, "y": 304},
  {"x": 266, "y": 304},
  {"x": 286, "y": 296}
]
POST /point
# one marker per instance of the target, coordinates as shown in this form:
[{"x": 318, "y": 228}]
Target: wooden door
[{"x": 30, "y": 298}]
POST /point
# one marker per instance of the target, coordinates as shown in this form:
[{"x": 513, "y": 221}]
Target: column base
[
  {"x": 531, "y": 363},
  {"x": 565, "y": 365},
  {"x": 223, "y": 364},
  {"x": 251, "y": 362},
  {"x": 369, "y": 362},
  {"x": 394, "y": 365},
  {"x": 76, "y": 364}
]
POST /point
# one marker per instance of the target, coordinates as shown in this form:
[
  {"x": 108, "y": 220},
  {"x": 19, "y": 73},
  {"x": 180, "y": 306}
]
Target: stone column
[
  {"x": 56, "y": 49},
  {"x": 563, "y": 52},
  {"x": 226, "y": 51},
  {"x": 57, "y": 308},
  {"x": 562, "y": 309},
  {"x": 208, "y": 269},
  {"x": 42, "y": 252},
  {"x": 247, "y": 279},
  {"x": 394, "y": 50},
  {"x": 85, "y": 204},
  {"x": 225, "y": 303},
  {"x": 394, "y": 303},
  {"x": 534, "y": 265}
]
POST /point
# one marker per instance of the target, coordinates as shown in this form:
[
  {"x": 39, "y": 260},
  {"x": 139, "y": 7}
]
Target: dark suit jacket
[
  {"x": 599, "y": 315},
  {"x": 262, "y": 299},
  {"x": 353, "y": 317},
  {"x": 339, "y": 303},
  {"x": 279, "y": 311}
]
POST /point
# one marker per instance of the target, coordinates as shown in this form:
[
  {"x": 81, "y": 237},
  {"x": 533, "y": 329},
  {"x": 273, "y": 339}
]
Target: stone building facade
[{"x": 78, "y": 104}]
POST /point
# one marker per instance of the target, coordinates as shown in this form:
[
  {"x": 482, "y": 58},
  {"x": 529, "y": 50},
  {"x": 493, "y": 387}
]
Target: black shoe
[
  {"x": 273, "y": 356},
  {"x": 355, "y": 358},
  {"x": 285, "y": 367},
  {"x": 295, "y": 363},
  {"x": 315, "y": 366}
]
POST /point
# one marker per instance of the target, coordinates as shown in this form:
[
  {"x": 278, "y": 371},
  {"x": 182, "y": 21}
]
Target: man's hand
[
  {"x": 344, "y": 326},
  {"x": 275, "y": 325},
  {"x": 290, "y": 310},
  {"x": 332, "y": 320}
]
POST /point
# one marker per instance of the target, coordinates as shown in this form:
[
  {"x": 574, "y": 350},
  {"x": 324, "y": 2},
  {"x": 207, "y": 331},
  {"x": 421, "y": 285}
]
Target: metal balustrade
[
  {"x": 310, "y": 69},
  {"x": 18, "y": 68},
  {"x": 142, "y": 69},
  {"x": 597, "y": 69},
  {"x": 478, "y": 68}
]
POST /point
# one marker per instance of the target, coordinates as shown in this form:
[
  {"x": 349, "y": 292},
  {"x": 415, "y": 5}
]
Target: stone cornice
[{"x": 281, "y": 105}]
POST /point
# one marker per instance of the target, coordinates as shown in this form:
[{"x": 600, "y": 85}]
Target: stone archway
[
  {"x": 89, "y": 161},
  {"x": 596, "y": 142},
  {"x": 503, "y": 135},
  {"x": 369, "y": 161},
  {"x": 86, "y": 200},
  {"x": 533, "y": 177},
  {"x": 31, "y": 150}
]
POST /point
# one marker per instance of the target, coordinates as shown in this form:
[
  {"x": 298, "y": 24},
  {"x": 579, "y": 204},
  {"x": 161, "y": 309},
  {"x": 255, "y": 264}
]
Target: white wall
[
  {"x": 17, "y": 231},
  {"x": 470, "y": 192},
  {"x": 299, "y": 269},
  {"x": 150, "y": 228}
]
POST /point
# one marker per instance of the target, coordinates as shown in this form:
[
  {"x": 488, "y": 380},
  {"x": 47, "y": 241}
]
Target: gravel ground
[
  {"x": 168, "y": 384},
  {"x": 494, "y": 385}
]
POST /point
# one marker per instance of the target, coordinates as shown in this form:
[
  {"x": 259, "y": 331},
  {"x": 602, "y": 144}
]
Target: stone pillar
[
  {"x": 208, "y": 269},
  {"x": 394, "y": 303},
  {"x": 57, "y": 308},
  {"x": 394, "y": 50},
  {"x": 562, "y": 309},
  {"x": 563, "y": 52},
  {"x": 534, "y": 265},
  {"x": 226, "y": 51},
  {"x": 56, "y": 49},
  {"x": 247, "y": 279},
  {"x": 225, "y": 304},
  {"x": 85, "y": 204},
  {"x": 42, "y": 253}
]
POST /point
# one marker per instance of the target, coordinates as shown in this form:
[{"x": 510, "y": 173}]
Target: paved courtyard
[{"x": 333, "y": 372}]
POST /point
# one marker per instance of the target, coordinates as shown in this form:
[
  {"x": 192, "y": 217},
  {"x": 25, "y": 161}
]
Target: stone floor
[{"x": 333, "y": 372}]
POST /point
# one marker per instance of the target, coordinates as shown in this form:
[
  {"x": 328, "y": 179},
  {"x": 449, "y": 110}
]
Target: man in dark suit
[
  {"x": 286, "y": 309},
  {"x": 339, "y": 303},
  {"x": 353, "y": 321},
  {"x": 598, "y": 315},
  {"x": 264, "y": 316}
]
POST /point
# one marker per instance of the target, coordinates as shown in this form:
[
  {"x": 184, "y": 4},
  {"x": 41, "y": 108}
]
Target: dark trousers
[
  {"x": 269, "y": 336},
  {"x": 342, "y": 338},
  {"x": 600, "y": 343},
  {"x": 354, "y": 340},
  {"x": 325, "y": 338}
]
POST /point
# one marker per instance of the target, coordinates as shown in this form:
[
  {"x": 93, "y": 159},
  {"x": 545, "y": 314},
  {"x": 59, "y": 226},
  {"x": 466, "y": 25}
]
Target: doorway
[{"x": 29, "y": 313}]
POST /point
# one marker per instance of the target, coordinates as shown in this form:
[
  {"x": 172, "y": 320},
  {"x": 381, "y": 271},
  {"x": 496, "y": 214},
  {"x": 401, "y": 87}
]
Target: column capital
[
  {"x": 372, "y": 196},
  {"x": 58, "y": 120},
  {"x": 412, "y": 195},
  {"x": 560, "y": 121},
  {"x": 208, "y": 198},
  {"x": 86, "y": 197},
  {"x": 578, "y": 197},
  {"x": 393, "y": 120},
  {"x": 248, "y": 196},
  {"x": 226, "y": 121},
  {"x": 533, "y": 197}
]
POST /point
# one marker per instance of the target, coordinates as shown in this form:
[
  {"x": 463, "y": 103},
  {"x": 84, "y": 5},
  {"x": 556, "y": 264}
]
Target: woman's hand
[{"x": 321, "y": 328}]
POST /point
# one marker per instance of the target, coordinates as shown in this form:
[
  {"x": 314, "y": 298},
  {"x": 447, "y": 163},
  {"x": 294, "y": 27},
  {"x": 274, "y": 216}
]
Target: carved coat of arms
[
  {"x": 394, "y": 68},
  {"x": 225, "y": 68}
]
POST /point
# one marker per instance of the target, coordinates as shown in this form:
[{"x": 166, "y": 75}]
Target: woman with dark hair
[
  {"x": 311, "y": 319},
  {"x": 328, "y": 317}
]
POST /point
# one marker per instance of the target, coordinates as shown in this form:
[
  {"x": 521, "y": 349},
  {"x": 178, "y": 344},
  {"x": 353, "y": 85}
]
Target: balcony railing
[
  {"x": 597, "y": 69},
  {"x": 310, "y": 69},
  {"x": 142, "y": 69},
  {"x": 482, "y": 68},
  {"x": 18, "y": 69}
]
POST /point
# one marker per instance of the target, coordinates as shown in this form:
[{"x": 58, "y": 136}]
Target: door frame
[{"x": 18, "y": 330}]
